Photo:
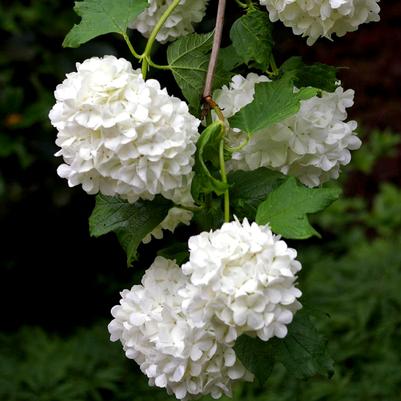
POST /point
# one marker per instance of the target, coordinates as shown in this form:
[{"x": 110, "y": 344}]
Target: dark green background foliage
[{"x": 57, "y": 284}]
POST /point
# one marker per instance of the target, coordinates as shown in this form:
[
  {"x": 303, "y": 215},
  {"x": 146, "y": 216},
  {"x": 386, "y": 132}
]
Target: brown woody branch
[{"x": 208, "y": 101}]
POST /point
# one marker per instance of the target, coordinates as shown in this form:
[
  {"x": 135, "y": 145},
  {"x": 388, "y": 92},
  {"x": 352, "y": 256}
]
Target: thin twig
[{"x": 218, "y": 32}]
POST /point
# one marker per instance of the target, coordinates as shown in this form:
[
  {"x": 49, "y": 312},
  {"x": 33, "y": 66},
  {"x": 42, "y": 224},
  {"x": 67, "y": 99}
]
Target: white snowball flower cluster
[
  {"x": 179, "y": 23},
  {"x": 121, "y": 135},
  {"x": 243, "y": 280},
  {"x": 180, "y": 324},
  {"x": 311, "y": 145},
  {"x": 155, "y": 332},
  {"x": 316, "y": 18}
]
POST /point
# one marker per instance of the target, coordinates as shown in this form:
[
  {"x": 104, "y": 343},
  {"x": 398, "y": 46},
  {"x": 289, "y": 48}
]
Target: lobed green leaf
[
  {"x": 130, "y": 222},
  {"x": 303, "y": 352},
  {"x": 317, "y": 75},
  {"x": 286, "y": 208},
  {"x": 256, "y": 355},
  {"x": 273, "y": 102},
  {"x": 102, "y": 16},
  {"x": 250, "y": 188},
  {"x": 252, "y": 38},
  {"x": 229, "y": 58},
  {"x": 188, "y": 58}
]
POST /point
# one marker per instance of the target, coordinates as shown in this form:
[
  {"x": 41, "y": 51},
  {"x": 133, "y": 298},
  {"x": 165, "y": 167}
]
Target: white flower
[
  {"x": 243, "y": 280},
  {"x": 121, "y": 135},
  {"x": 179, "y": 23},
  {"x": 157, "y": 334},
  {"x": 316, "y": 18},
  {"x": 174, "y": 218},
  {"x": 311, "y": 145}
]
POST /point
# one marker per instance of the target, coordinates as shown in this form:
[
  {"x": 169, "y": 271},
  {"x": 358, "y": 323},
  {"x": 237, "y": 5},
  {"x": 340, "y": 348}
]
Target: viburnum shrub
[{"x": 243, "y": 154}]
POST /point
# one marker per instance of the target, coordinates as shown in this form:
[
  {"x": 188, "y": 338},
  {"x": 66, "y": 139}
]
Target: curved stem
[
  {"x": 239, "y": 147},
  {"x": 146, "y": 54},
  {"x": 158, "y": 66},
  {"x": 130, "y": 47},
  {"x": 224, "y": 179},
  {"x": 241, "y": 4}
]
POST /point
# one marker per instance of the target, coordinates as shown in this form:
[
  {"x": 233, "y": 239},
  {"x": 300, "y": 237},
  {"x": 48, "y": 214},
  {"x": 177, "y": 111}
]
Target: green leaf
[
  {"x": 273, "y": 102},
  {"x": 131, "y": 222},
  {"x": 250, "y": 188},
  {"x": 256, "y": 355},
  {"x": 188, "y": 58},
  {"x": 102, "y": 16},
  {"x": 317, "y": 75},
  {"x": 303, "y": 352},
  {"x": 178, "y": 252},
  {"x": 207, "y": 149},
  {"x": 286, "y": 208},
  {"x": 210, "y": 217},
  {"x": 229, "y": 58},
  {"x": 252, "y": 38}
]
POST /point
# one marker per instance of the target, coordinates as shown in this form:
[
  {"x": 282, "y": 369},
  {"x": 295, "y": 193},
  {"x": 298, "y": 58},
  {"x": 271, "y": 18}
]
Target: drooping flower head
[
  {"x": 179, "y": 23},
  {"x": 322, "y": 18},
  {"x": 121, "y": 135},
  {"x": 312, "y": 144},
  {"x": 243, "y": 281},
  {"x": 155, "y": 332}
]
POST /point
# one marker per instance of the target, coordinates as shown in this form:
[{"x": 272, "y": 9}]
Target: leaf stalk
[
  {"x": 240, "y": 146},
  {"x": 224, "y": 179},
  {"x": 145, "y": 57},
  {"x": 130, "y": 47}
]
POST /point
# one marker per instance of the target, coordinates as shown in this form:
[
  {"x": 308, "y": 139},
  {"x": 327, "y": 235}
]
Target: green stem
[
  {"x": 239, "y": 147},
  {"x": 189, "y": 208},
  {"x": 158, "y": 66},
  {"x": 251, "y": 6},
  {"x": 241, "y": 4},
  {"x": 273, "y": 65},
  {"x": 208, "y": 119},
  {"x": 146, "y": 54},
  {"x": 224, "y": 179},
  {"x": 130, "y": 47}
]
